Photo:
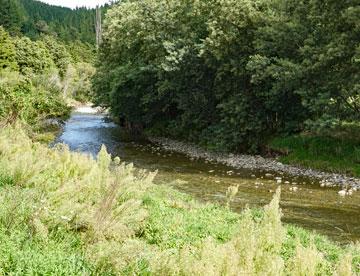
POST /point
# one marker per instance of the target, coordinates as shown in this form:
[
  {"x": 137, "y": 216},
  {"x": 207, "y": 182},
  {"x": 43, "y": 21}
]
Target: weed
[{"x": 67, "y": 213}]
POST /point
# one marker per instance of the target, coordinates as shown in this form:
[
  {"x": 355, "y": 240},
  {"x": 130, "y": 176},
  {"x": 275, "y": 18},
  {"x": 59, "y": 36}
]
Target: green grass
[
  {"x": 323, "y": 153},
  {"x": 28, "y": 247},
  {"x": 63, "y": 213},
  {"x": 177, "y": 220},
  {"x": 6, "y": 180}
]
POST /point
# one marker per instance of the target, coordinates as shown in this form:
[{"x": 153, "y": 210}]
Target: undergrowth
[{"x": 65, "y": 213}]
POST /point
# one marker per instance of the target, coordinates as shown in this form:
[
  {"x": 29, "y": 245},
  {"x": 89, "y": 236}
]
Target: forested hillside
[
  {"x": 46, "y": 58},
  {"x": 232, "y": 74},
  {"x": 34, "y": 18}
]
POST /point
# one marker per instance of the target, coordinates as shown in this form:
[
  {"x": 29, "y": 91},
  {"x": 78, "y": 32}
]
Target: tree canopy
[{"x": 230, "y": 74}]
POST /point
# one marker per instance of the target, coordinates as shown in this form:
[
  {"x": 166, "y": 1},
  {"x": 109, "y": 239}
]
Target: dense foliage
[
  {"x": 34, "y": 18},
  {"x": 67, "y": 213},
  {"x": 7, "y": 51},
  {"x": 37, "y": 76},
  {"x": 230, "y": 74}
]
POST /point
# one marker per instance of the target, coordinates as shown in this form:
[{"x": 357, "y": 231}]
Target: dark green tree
[
  {"x": 32, "y": 57},
  {"x": 230, "y": 74},
  {"x": 12, "y": 15}
]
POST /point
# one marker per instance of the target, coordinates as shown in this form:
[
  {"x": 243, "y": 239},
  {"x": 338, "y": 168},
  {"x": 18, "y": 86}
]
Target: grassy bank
[
  {"x": 65, "y": 213},
  {"x": 326, "y": 153}
]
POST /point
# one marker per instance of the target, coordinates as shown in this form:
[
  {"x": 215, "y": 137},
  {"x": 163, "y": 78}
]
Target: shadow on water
[{"x": 312, "y": 207}]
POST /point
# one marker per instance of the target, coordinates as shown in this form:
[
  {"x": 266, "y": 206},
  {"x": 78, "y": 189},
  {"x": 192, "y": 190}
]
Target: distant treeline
[
  {"x": 33, "y": 18},
  {"x": 231, "y": 74}
]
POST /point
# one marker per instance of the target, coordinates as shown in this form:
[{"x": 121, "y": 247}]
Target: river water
[{"x": 312, "y": 207}]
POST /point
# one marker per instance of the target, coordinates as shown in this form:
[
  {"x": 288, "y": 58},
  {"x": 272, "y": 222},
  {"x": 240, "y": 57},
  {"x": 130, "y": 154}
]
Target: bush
[
  {"x": 20, "y": 99},
  {"x": 37, "y": 76},
  {"x": 7, "y": 51}
]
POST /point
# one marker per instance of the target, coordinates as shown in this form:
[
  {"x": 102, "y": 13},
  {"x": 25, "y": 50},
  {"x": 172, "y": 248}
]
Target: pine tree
[{"x": 12, "y": 16}]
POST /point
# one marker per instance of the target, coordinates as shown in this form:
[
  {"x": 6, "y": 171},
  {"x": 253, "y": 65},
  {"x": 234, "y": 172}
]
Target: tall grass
[
  {"x": 66, "y": 213},
  {"x": 334, "y": 154}
]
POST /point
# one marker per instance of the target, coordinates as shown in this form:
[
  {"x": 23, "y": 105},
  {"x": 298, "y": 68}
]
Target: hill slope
[{"x": 33, "y": 18}]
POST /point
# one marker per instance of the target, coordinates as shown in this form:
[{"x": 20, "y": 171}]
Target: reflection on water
[{"x": 310, "y": 206}]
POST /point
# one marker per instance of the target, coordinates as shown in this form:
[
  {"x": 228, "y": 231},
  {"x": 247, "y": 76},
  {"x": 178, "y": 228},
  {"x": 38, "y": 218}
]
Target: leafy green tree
[
  {"x": 32, "y": 57},
  {"x": 230, "y": 74},
  {"x": 58, "y": 53},
  {"x": 7, "y": 51},
  {"x": 81, "y": 52},
  {"x": 42, "y": 27},
  {"x": 314, "y": 47}
]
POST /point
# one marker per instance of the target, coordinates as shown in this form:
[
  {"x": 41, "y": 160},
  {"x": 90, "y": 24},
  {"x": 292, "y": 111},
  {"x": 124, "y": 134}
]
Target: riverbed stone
[{"x": 243, "y": 161}]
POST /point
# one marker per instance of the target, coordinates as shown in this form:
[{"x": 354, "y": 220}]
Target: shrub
[{"x": 20, "y": 99}]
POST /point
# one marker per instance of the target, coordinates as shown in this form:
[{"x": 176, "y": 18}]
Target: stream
[{"x": 310, "y": 206}]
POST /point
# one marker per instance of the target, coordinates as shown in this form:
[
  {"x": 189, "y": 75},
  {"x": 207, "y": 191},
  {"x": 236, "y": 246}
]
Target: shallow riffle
[{"x": 207, "y": 177}]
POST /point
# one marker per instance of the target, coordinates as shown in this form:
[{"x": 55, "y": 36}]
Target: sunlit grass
[
  {"x": 65, "y": 213},
  {"x": 323, "y": 153}
]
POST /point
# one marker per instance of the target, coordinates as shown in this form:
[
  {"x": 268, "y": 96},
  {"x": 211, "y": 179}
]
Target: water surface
[{"x": 311, "y": 207}]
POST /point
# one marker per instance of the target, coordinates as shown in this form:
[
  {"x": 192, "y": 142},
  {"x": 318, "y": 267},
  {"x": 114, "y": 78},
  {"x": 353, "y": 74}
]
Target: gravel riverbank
[{"x": 252, "y": 162}]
